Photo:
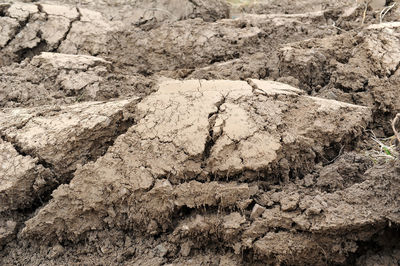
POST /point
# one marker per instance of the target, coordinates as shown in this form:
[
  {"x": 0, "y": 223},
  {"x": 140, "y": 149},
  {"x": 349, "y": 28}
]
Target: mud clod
[
  {"x": 55, "y": 78},
  {"x": 43, "y": 146},
  {"x": 147, "y": 197},
  {"x": 362, "y": 72},
  {"x": 199, "y": 132}
]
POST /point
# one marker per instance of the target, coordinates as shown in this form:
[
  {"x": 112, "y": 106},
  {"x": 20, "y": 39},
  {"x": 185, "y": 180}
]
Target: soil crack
[
  {"x": 20, "y": 151},
  {"x": 21, "y": 26},
  {"x": 78, "y": 18},
  {"x": 394, "y": 70},
  {"x": 212, "y": 137}
]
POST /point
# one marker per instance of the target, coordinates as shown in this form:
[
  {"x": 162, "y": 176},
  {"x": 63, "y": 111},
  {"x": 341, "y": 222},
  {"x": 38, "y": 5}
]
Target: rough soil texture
[
  {"x": 364, "y": 71},
  {"x": 291, "y": 7},
  {"x": 199, "y": 133},
  {"x": 43, "y": 146},
  {"x": 55, "y": 78},
  {"x": 148, "y": 14}
]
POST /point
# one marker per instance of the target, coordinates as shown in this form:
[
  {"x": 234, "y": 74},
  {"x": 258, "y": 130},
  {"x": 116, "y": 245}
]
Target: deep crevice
[
  {"x": 3, "y": 8},
  {"x": 212, "y": 138},
  {"x": 382, "y": 242},
  {"x": 24, "y": 53}
]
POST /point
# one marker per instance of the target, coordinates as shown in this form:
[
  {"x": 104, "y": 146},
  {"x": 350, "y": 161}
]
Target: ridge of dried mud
[{"x": 166, "y": 133}]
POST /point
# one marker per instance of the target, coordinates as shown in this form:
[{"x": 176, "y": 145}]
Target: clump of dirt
[
  {"x": 30, "y": 28},
  {"x": 33, "y": 28},
  {"x": 174, "y": 160},
  {"x": 42, "y": 147},
  {"x": 55, "y": 78},
  {"x": 363, "y": 71},
  {"x": 254, "y": 54},
  {"x": 166, "y": 132},
  {"x": 148, "y": 14}
]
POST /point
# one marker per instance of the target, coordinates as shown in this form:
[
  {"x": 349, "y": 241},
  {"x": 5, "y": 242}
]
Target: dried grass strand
[
  {"x": 385, "y": 11},
  {"x": 394, "y": 122}
]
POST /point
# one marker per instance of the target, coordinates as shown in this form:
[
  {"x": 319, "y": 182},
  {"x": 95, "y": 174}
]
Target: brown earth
[{"x": 194, "y": 132}]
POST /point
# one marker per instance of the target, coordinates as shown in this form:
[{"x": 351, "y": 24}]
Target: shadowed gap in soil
[{"x": 384, "y": 240}]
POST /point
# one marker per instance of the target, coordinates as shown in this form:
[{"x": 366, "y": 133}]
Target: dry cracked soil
[{"x": 199, "y": 132}]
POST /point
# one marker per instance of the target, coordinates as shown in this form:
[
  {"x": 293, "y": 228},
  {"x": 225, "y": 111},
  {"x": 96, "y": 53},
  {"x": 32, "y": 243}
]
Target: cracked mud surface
[{"x": 196, "y": 132}]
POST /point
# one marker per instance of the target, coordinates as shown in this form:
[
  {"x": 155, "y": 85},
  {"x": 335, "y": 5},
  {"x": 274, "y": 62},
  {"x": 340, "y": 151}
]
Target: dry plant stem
[
  {"x": 394, "y": 122},
  {"x": 364, "y": 14},
  {"x": 336, "y": 27},
  {"x": 384, "y": 12}
]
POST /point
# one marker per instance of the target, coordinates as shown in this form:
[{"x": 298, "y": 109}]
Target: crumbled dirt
[{"x": 199, "y": 132}]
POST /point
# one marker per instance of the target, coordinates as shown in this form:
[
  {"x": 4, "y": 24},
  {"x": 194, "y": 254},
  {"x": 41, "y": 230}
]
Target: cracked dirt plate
[{"x": 193, "y": 146}]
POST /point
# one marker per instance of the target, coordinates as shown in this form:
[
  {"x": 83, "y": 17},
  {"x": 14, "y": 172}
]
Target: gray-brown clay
[{"x": 198, "y": 133}]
